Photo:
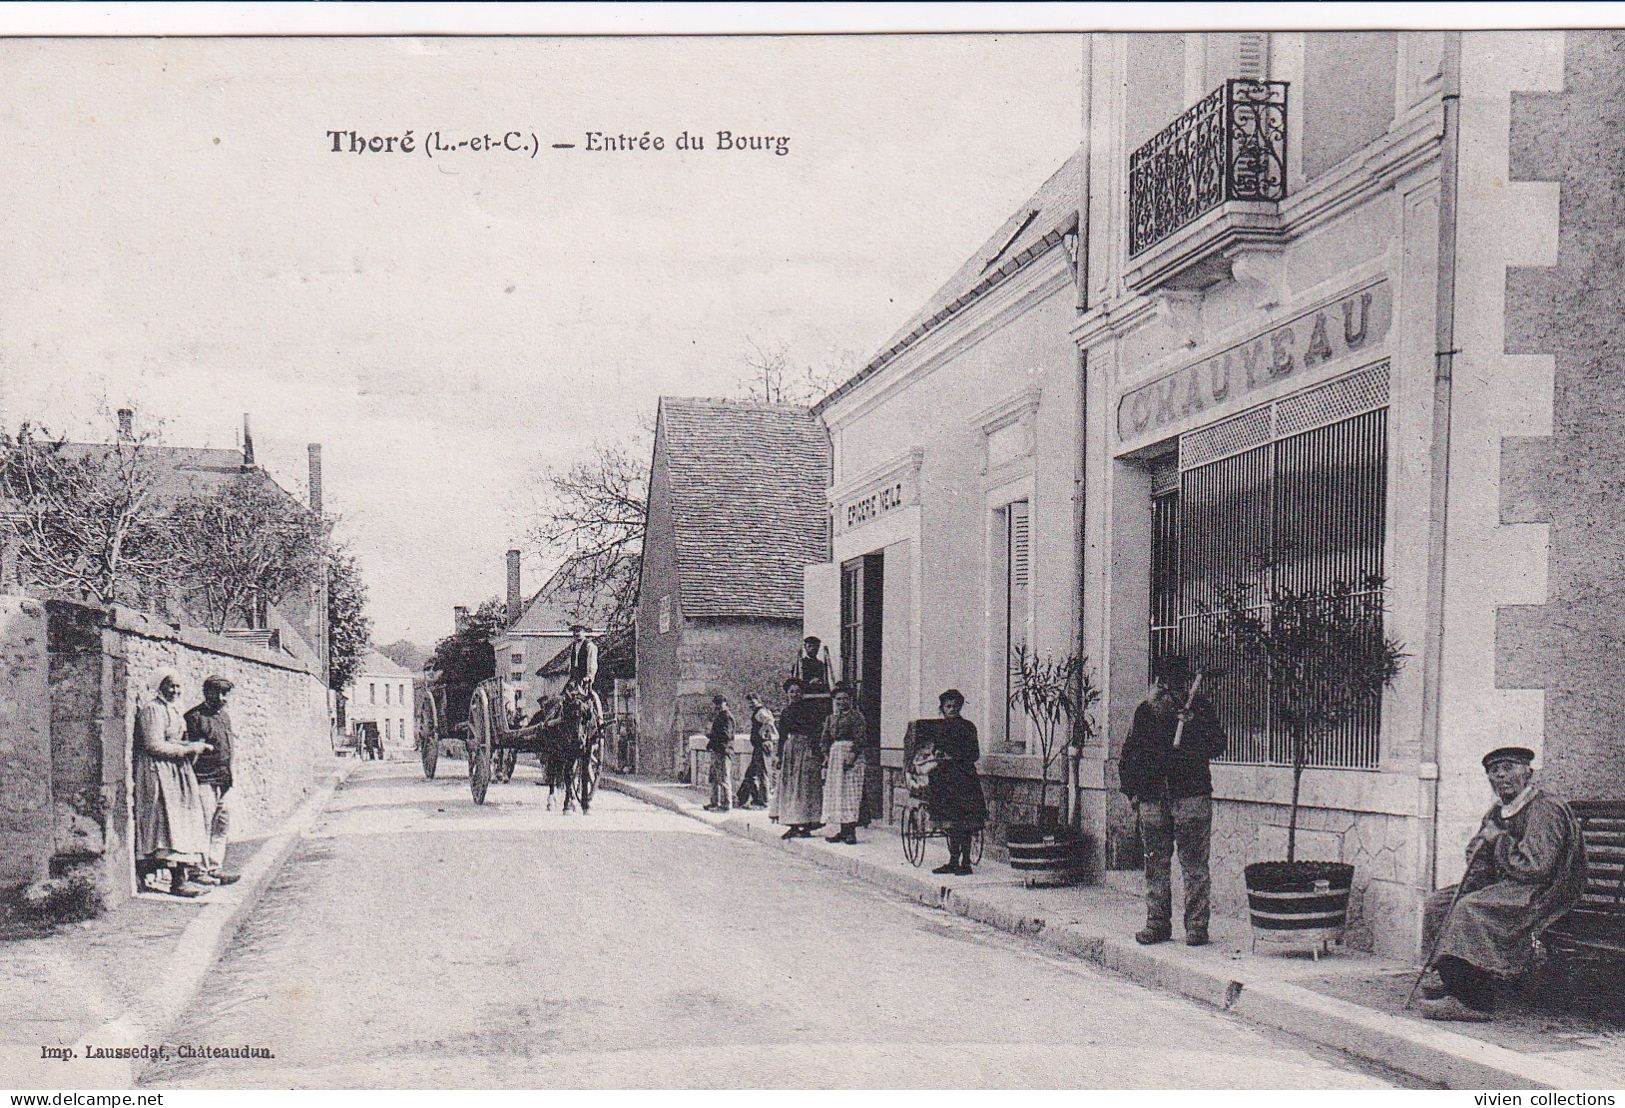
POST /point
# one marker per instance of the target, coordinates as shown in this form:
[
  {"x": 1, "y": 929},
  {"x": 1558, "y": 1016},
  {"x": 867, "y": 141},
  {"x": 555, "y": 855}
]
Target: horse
[{"x": 566, "y": 734}]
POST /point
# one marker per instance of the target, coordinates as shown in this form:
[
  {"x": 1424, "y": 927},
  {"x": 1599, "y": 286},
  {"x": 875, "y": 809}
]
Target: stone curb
[
  {"x": 181, "y": 974},
  {"x": 1435, "y": 1055}
]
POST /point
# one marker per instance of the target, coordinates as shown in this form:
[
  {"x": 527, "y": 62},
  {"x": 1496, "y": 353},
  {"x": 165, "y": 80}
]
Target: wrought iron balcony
[{"x": 1230, "y": 145}]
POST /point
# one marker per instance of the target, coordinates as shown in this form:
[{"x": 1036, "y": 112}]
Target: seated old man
[{"x": 1525, "y": 869}]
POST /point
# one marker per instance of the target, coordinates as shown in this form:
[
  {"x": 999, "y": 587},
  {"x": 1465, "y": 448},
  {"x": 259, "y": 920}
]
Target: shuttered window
[
  {"x": 1017, "y": 608},
  {"x": 1300, "y": 487}
]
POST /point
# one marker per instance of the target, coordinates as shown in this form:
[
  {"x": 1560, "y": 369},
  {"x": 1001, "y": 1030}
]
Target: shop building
[
  {"x": 1321, "y": 335},
  {"x": 953, "y": 510}
]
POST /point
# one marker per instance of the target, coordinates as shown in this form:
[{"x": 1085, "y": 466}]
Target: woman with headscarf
[
  {"x": 953, "y": 793},
  {"x": 801, "y": 789},
  {"x": 846, "y": 762},
  {"x": 169, "y": 826}
]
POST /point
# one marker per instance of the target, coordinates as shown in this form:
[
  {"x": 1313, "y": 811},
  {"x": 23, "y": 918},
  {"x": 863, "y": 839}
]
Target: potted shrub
[
  {"x": 1323, "y": 658},
  {"x": 1050, "y": 691}
]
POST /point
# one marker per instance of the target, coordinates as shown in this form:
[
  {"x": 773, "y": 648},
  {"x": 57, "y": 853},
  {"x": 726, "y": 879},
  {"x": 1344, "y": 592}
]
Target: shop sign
[
  {"x": 1314, "y": 339},
  {"x": 896, "y": 490}
]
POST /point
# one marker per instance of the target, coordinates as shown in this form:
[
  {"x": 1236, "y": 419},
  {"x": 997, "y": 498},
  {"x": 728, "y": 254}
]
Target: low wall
[{"x": 76, "y": 676}]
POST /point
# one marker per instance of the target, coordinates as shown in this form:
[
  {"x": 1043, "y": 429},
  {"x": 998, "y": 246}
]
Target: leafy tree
[
  {"x": 245, "y": 544},
  {"x": 465, "y": 657},
  {"x": 349, "y": 631},
  {"x": 1051, "y": 691},
  {"x": 85, "y": 519},
  {"x": 592, "y": 520},
  {"x": 1322, "y": 656},
  {"x": 405, "y": 653}
]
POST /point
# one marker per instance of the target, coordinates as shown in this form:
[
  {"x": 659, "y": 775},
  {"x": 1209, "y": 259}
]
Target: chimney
[
  {"x": 513, "y": 587},
  {"x": 126, "y": 424},
  {"x": 248, "y": 443},
  {"x": 459, "y": 617},
  {"x": 315, "y": 451}
]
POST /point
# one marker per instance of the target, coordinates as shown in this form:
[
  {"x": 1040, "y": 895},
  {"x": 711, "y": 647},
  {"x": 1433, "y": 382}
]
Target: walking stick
[
  {"x": 1427, "y": 963},
  {"x": 1190, "y": 701}
]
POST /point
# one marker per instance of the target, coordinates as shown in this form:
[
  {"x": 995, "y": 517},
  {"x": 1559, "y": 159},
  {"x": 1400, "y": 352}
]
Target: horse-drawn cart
[
  {"x": 569, "y": 744},
  {"x": 442, "y": 719}
]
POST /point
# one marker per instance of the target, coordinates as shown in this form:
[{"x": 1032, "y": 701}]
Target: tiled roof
[
  {"x": 374, "y": 664},
  {"x": 184, "y": 471},
  {"x": 1031, "y": 231},
  {"x": 748, "y": 503},
  {"x": 544, "y": 612}
]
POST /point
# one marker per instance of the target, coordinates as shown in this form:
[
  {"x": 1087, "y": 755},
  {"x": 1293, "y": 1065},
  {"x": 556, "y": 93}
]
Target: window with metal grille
[{"x": 1290, "y": 496}]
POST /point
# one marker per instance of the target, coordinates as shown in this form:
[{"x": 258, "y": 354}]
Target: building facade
[
  {"x": 736, "y": 511},
  {"x": 383, "y": 694},
  {"x": 1319, "y": 345},
  {"x": 953, "y": 501},
  {"x": 538, "y": 632}
]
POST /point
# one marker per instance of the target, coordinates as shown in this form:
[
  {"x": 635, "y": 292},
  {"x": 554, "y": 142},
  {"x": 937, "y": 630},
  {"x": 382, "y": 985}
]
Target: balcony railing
[{"x": 1231, "y": 145}]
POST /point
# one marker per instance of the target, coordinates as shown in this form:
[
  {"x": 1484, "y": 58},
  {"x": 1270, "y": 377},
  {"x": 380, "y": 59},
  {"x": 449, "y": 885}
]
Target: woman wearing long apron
[
  {"x": 953, "y": 793},
  {"x": 169, "y": 827},
  {"x": 801, "y": 789},
  {"x": 846, "y": 762}
]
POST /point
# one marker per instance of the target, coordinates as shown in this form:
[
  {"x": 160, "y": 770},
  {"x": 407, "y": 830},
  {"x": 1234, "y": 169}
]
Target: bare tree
[
  {"x": 774, "y": 376},
  {"x": 246, "y": 544},
  {"x": 592, "y": 520},
  {"x": 85, "y": 517}
]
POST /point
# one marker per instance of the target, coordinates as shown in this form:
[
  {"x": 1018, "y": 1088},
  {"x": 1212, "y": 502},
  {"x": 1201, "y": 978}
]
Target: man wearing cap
[
  {"x": 1164, "y": 773},
  {"x": 1525, "y": 869},
  {"x": 810, "y": 669},
  {"x": 209, "y": 723},
  {"x": 584, "y": 666}
]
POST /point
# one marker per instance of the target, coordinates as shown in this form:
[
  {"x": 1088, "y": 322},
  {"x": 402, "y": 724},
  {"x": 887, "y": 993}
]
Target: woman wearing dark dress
[{"x": 953, "y": 793}]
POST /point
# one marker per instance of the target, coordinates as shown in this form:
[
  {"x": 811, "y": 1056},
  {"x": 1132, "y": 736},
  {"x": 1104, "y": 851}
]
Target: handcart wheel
[
  {"x": 479, "y": 744},
  {"x": 976, "y": 849},
  {"x": 914, "y": 835},
  {"x": 428, "y": 725}
]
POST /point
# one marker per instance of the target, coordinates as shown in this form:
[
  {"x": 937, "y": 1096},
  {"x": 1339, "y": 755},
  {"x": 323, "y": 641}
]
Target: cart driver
[{"x": 584, "y": 667}]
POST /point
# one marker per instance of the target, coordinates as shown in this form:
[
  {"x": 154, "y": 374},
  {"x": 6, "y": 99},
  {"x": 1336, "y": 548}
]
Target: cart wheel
[
  {"x": 914, "y": 835},
  {"x": 591, "y": 766},
  {"x": 428, "y": 725},
  {"x": 479, "y": 744},
  {"x": 976, "y": 849}
]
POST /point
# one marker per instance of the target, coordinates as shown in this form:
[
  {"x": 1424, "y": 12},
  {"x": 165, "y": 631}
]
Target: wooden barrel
[
  {"x": 1035, "y": 855},
  {"x": 1298, "y": 896}
]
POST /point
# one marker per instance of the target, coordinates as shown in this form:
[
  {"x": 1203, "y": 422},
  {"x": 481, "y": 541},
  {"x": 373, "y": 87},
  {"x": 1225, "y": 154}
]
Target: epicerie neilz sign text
[{"x": 527, "y": 144}]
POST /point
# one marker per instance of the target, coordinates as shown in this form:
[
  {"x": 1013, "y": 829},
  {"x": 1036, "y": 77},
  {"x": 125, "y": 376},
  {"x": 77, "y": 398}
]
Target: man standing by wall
[
  {"x": 720, "y": 742},
  {"x": 210, "y": 723},
  {"x": 1172, "y": 792}
]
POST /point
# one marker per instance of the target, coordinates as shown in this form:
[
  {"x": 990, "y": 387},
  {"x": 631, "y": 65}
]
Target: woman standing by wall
[{"x": 169, "y": 826}]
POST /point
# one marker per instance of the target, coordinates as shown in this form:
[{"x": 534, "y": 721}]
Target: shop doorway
[{"x": 863, "y": 589}]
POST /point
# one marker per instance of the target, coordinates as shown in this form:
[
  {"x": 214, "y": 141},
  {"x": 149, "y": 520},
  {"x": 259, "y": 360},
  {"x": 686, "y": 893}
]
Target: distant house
[
  {"x": 737, "y": 510},
  {"x": 538, "y": 632},
  {"x": 382, "y": 693},
  {"x": 297, "y": 624}
]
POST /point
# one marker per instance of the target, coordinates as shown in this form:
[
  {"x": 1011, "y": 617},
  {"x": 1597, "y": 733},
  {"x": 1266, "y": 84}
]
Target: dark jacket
[
  {"x": 1151, "y": 768},
  {"x": 721, "y": 733},
  {"x": 214, "y": 728}
]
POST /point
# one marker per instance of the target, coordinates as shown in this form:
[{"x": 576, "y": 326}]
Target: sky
[{"x": 180, "y": 238}]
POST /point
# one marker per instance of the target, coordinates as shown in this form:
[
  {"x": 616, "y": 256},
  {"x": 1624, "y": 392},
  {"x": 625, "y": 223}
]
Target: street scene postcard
[{"x": 1061, "y": 560}]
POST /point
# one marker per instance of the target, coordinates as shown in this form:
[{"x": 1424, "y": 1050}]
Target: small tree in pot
[
  {"x": 1050, "y": 691},
  {"x": 1324, "y": 659}
]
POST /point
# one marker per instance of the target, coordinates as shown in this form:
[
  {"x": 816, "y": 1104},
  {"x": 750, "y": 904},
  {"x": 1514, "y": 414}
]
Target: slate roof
[
  {"x": 1031, "y": 231},
  {"x": 183, "y": 471},
  {"x": 748, "y": 503}
]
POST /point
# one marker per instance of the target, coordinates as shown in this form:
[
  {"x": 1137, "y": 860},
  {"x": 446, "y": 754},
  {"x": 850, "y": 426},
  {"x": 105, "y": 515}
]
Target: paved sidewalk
[
  {"x": 1347, "y": 1001},
  {"x": 123, "y": 978}
]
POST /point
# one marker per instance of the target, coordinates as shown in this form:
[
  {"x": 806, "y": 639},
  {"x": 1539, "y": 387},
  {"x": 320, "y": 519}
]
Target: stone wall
[
  {"x": 94, "y": 668},
  {"x": 25, "y": 743}
]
